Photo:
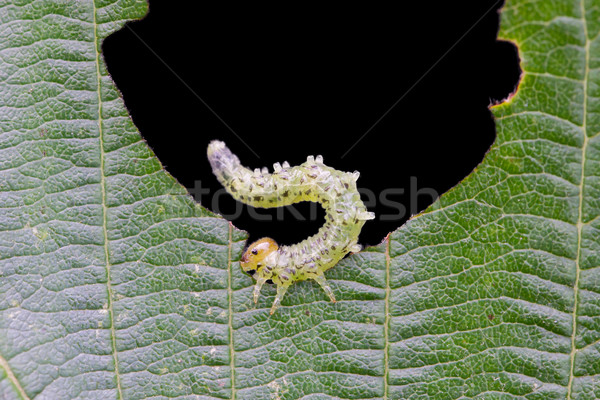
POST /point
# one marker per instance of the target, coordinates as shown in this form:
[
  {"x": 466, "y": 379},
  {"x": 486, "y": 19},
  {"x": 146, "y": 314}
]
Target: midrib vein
[
  {"x": 104, "y": 207},
  {"x": 386, "y": 369},
  {"x": 11, "y": 377},
  {"x": 580, "y": 211},
  {"x": 230, "y": 320}
]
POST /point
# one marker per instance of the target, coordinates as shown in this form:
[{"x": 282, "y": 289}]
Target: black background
[{"x": 297, "y": 79}]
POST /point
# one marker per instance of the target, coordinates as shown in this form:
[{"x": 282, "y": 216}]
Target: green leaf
[
  {"x": 114, "y": 284},
  {"x": 495, "y": 291}
]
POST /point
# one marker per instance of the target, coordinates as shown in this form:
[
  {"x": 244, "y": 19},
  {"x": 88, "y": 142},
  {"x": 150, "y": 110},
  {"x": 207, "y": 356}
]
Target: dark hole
[{"x": 314, "y": 80}]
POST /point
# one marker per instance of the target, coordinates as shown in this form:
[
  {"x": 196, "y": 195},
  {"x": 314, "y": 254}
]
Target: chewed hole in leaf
[{"x": 320, "y": 94}]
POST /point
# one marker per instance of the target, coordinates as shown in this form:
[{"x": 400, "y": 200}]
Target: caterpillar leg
[
  {"x": 260, "y": 281},
  {"x": 320, "y": 279},
  {"x": 281, "y": 289}
]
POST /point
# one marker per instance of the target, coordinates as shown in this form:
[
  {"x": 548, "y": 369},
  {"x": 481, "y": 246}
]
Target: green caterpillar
[{"x": 311, "y": 181}]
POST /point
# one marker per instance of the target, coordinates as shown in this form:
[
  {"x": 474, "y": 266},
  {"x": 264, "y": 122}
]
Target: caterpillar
[{"x": 335, "y": 190}]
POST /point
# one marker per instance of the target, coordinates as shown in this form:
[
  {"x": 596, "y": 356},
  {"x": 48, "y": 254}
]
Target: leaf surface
[{"x": 115, "y": 284}]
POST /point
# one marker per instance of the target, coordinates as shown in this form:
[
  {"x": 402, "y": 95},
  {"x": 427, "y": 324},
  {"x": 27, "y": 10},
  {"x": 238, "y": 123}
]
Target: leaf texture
[
  {"x": 495, "y": 290},
  {"x": 114, "y": 284}
]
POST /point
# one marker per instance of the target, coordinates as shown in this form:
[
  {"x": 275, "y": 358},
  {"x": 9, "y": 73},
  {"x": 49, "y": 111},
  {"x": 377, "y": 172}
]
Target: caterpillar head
[{"x": 254, "y": 256}]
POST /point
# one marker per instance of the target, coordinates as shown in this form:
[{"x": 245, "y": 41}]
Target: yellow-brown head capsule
[{"x": 253, "y": 258}]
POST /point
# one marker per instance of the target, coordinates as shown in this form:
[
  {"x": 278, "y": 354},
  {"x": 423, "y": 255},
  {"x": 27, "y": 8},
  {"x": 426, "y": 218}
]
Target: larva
[{"x": 311, "y": 181}]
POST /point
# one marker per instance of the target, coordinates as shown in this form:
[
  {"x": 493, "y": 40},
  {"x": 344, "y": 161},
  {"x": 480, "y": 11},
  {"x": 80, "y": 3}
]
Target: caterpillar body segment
[{"x": 311, "y": 181}]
